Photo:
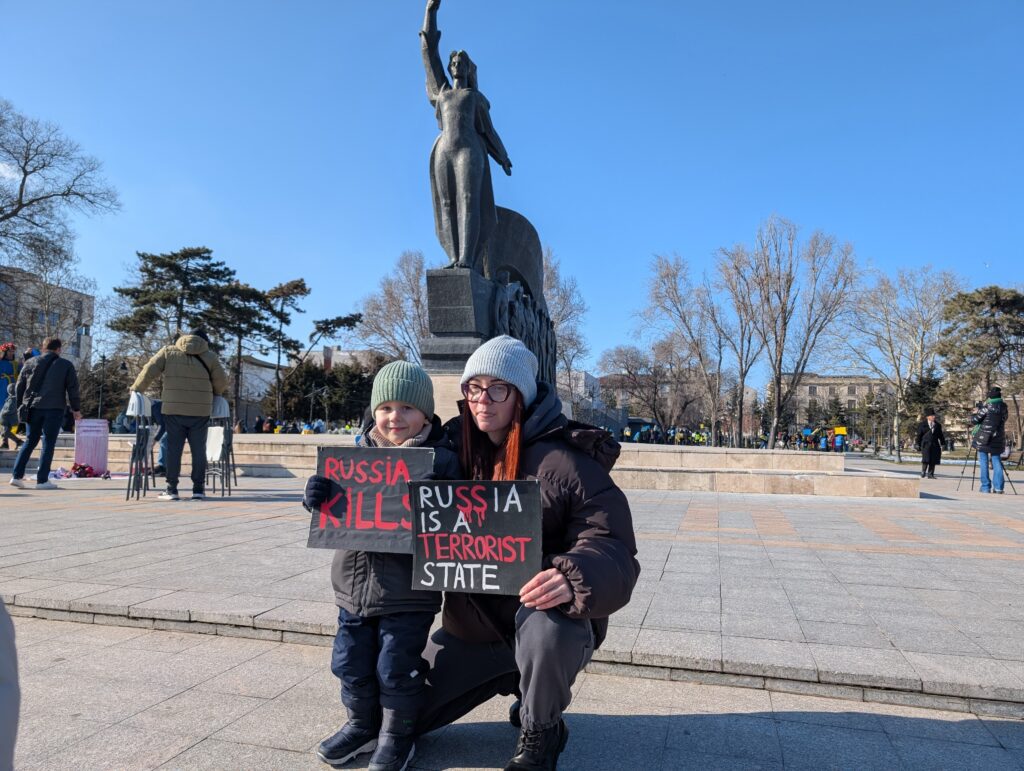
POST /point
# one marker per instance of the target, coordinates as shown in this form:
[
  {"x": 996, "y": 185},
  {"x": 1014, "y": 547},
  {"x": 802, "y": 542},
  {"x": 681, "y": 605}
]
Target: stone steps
[
  {"x": 311, "y": 623},
  {"x": 768, "y": 482}
]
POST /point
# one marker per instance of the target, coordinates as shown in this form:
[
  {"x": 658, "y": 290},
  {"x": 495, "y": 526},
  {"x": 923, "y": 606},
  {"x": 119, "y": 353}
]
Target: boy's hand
[{"x": 317, "y": 490}]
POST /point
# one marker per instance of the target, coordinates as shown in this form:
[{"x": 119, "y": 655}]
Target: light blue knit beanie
[{"x": 507, "y": 359}]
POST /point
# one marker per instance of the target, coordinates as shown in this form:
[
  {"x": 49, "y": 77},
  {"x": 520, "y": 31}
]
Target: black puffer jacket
[
  {"x": 990, "y": 435},
  {"x": 370, "y": 583},
  {"x": 587, "y": 525},
  {"x": 58, "y": 389}
]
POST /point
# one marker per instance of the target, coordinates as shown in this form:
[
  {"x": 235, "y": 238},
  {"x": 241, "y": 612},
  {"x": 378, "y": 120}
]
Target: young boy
[
  {"x": 9, "y": 417},
  {"x": 382, "y": 622}
]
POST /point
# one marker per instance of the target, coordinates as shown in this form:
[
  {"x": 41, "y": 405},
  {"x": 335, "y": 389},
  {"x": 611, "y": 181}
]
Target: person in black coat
[{"x": 930, "y": 440}]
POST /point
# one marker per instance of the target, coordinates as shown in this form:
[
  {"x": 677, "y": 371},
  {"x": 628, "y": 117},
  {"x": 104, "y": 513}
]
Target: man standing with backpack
[
  {"x": 47, "y": 384},
  {"x": 192, "y": 376}
]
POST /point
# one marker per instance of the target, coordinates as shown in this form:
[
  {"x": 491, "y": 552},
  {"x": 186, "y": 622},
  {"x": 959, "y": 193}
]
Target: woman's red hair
[{"x": 481, "y": 458}]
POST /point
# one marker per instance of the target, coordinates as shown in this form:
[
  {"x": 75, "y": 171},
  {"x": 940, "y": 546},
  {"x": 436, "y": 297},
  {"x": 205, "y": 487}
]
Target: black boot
[
  {"x": 513, "y": 714},
  {"x": 539, "y": 750},
  {"x": 357, "y": 736},
  {"x": 513, "y": 710},
  {"x": 396, "y": 742}
]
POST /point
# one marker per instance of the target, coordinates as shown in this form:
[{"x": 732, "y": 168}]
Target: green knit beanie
[{"x": 403, "y": 381}]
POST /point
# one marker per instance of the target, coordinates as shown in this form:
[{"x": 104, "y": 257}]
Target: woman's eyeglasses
[{"x": 496, "y": 392}]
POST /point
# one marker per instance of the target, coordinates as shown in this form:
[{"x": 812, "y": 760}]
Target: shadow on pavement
[{"x": 768, "y": 740}]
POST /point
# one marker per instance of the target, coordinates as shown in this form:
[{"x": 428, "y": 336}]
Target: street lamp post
[{"x": 103, "y": 382}]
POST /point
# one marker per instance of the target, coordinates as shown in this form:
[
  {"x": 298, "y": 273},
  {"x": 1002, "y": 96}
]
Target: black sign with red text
[
  {"x": 368, "y": 507},
  {"x": 480, "y": 537}
]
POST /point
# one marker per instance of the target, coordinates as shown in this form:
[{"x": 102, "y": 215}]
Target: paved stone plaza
[
  {"x": 809, "y": 603},
  {"x": 124, "y": 698}
]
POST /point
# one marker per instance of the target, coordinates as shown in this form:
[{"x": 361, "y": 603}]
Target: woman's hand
[{"x": 548, "y": 589}]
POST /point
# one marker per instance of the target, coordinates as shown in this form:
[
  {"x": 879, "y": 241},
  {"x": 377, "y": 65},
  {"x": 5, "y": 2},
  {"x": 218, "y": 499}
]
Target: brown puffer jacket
[
  {"x": 189, "y": 386},
  {"x": 587, "y": 525}
]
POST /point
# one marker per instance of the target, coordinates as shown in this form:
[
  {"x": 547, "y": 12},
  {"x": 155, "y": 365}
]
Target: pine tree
[
  {"x": 173, "y": 292},
  {"x": 284, "y": 300},
  {"x": 242, "y": 322}
]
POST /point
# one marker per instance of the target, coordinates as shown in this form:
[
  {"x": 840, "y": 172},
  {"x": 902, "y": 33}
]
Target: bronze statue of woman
[{"x": 460, "y": 173}]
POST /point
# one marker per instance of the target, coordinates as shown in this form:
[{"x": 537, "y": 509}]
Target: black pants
[
  {"x": 379, "y": 660},
  {"x": 551, "y": 649},
  {"x": 928, "y": 468},
  {"x": 42, "y": 424},
  {"x": 8, "y": 433},
  {"x": 179, "y": 429}
]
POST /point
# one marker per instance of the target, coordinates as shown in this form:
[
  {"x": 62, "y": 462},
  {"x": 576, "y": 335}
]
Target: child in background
[
  {"x": 9, "y": 417},
  {"x": 383, "y": 623}
]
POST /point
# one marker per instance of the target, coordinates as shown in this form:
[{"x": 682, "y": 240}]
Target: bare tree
[
  {"x": 48, "y": 296},
  {"x": 566, "y": 309},
  {"x": 799, "y": 292},
  {"x": 684, "y": 313},
  {"x": 43, "y": 175},
  {"x": 897, "y": 329},
  {"x": 657, "y": 382},
  {"x": 737, "y": 324},
  {"x": 394, "y": 319}
]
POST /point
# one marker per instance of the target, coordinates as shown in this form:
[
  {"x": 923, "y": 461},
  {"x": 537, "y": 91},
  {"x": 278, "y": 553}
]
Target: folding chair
[
  {"x": 140, "y": 463},
  {"x": 220, "y": 453}
]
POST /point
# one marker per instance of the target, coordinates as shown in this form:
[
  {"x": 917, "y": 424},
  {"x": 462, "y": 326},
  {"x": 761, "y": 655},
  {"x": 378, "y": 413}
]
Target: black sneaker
[
  {"x": 353, "y": 739},
  {"x": 169, "y": 495},
  {"x": 159, "y": 471},
  {"x": 539, "y": 750}
]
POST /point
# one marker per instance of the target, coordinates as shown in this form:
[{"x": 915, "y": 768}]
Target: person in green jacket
[{"x": 192, "y": 375}]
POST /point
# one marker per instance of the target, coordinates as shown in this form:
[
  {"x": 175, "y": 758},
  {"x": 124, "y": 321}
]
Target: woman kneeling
[{"x": 534, "y": 645}]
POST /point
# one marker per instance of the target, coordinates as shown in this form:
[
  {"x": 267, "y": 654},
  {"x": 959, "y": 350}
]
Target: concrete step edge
[
  {"x": 988, "y": 707},
  {"x": 604, "y": 662}
]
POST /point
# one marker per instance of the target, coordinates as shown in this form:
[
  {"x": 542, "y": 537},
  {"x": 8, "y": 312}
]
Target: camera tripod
[{"x": 974, "y": 469}]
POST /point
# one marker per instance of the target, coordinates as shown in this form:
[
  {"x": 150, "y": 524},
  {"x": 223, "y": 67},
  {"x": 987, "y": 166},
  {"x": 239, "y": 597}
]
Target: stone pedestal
[
  {"x": 447, "y": 394},
  {"x": 459, "y": 309},
  {"x": 466, "y": 307}
]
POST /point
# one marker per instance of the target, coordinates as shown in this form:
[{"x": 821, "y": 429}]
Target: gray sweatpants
[
  {"x": 551, "y": 649},
  {"x": 9, "y": 694}
]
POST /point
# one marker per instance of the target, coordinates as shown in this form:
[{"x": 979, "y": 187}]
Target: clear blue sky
[{"x": 292, "y": 138}]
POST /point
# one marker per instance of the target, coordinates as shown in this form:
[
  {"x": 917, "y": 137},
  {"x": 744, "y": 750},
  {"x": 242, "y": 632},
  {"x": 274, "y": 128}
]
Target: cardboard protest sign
[
  {"x": 368, "y": 507},
  {"x": 480, "y": 537}
]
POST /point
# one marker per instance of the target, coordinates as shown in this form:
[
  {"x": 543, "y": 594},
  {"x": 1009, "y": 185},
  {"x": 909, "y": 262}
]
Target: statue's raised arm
[{"x": 430, "y": 36}]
